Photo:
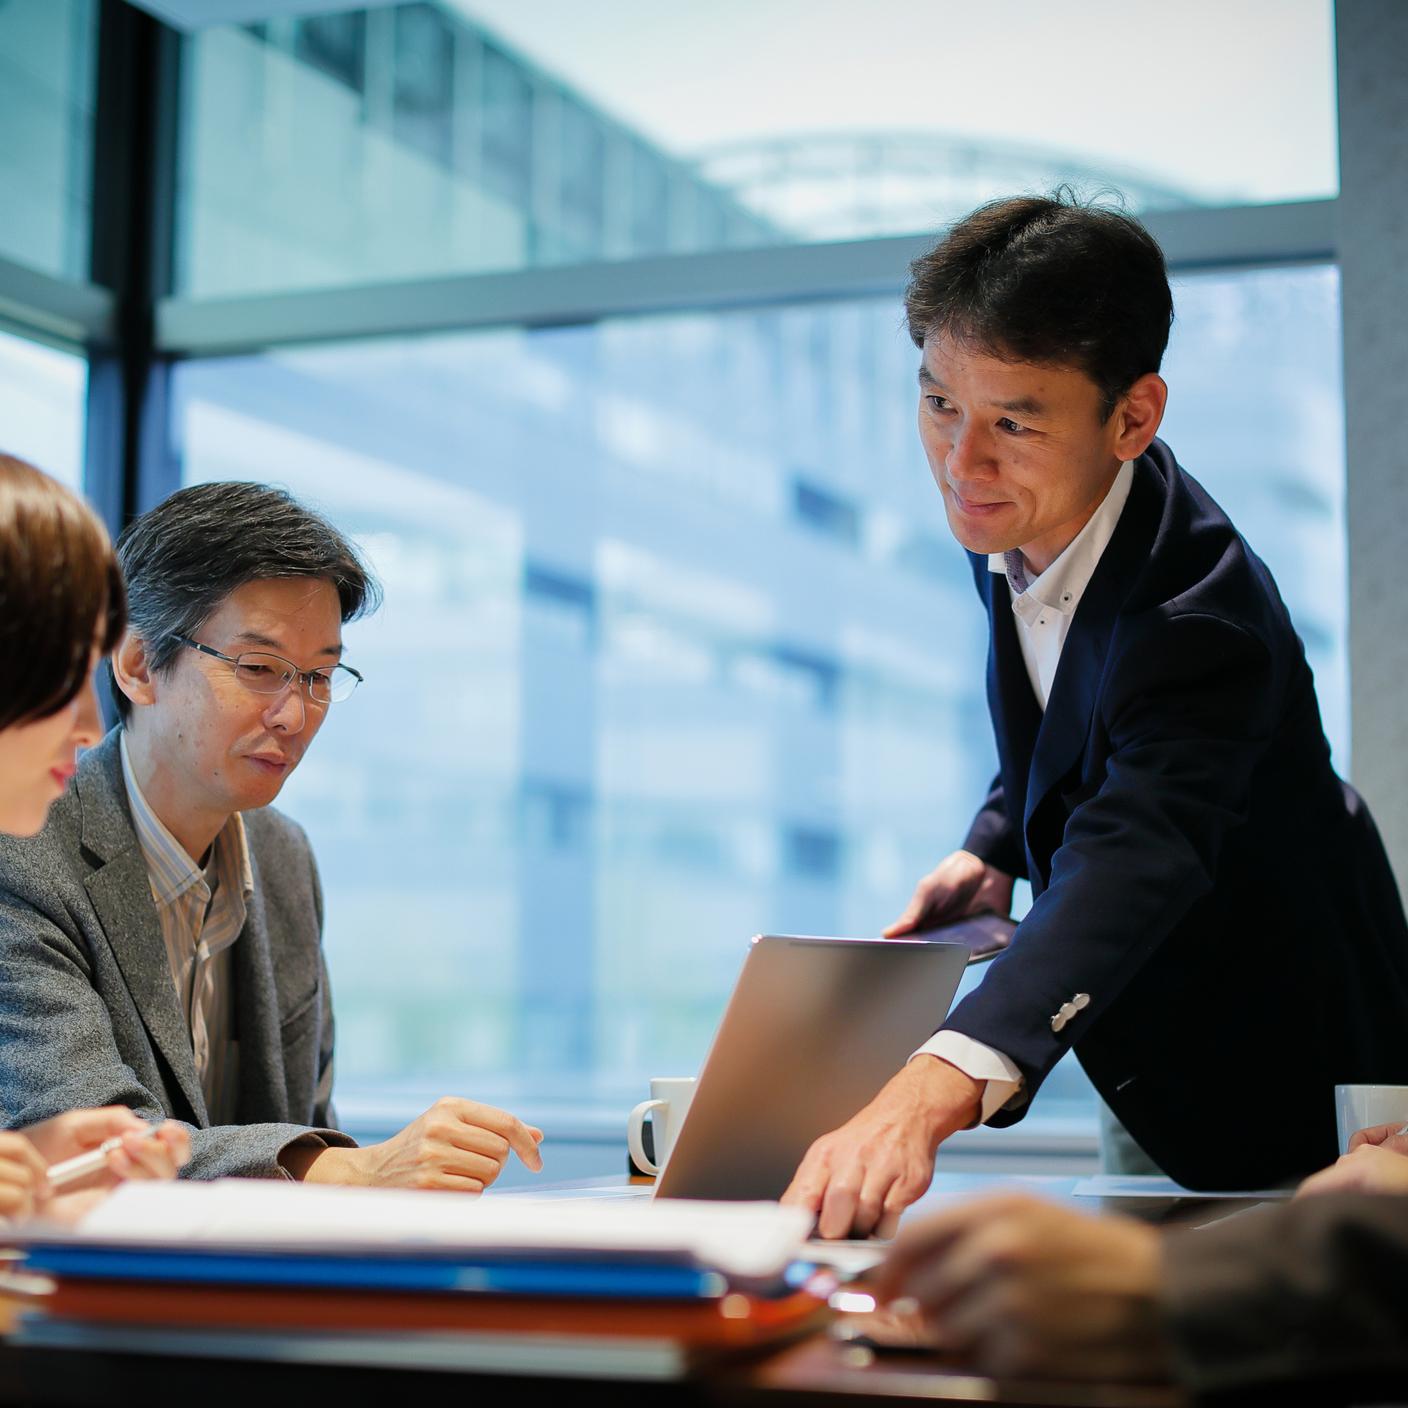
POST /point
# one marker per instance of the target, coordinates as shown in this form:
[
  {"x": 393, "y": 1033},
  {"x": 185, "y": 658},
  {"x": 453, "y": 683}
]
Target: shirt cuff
[{"x": 1003, "y": 1079}]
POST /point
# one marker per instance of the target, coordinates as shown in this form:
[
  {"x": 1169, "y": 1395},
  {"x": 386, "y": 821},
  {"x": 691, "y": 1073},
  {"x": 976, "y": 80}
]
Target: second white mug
[{"x": 669, "y": 1100}]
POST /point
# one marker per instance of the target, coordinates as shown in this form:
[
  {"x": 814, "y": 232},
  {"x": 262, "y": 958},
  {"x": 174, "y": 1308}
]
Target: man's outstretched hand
[
  {"x": 860, "y": 1177},
  {"x": 957, "y": 886}
]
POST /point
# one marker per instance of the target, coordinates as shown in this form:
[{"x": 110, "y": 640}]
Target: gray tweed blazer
[{"x": 88, "y": 1011}]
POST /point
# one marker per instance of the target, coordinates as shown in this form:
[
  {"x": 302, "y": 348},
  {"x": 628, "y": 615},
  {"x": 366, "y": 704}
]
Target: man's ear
[
  {"x": 1137, "y": 418},
  {"x": 131, "y": 669}
]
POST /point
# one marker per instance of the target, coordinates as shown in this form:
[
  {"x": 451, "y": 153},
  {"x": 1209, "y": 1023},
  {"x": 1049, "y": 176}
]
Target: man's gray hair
[{"x": 185, "y": 556}]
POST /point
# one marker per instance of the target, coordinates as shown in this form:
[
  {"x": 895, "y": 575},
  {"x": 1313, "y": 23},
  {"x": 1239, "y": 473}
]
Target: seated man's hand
[
  {"x": 1017, "y": 1287},
  {"x": 1384, "y": 1136},
  {"x": 859, "y": 1178},
  {"x": 959, "y": 885},
  {"x": 1367, "y": 1168},
  {"x": 458, "y": 1145}
]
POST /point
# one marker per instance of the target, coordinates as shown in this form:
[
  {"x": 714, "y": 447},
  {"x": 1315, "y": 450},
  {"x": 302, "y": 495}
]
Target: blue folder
[{"x": 512, "y": 1275}]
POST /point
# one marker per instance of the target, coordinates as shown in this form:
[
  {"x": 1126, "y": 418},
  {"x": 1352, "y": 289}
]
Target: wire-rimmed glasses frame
[{"x": 266, "y": 673}]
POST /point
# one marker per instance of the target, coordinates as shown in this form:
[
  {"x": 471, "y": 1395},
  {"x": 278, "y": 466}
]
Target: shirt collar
[
  {"x": 171, "y": 870},
  {"x": 1063, "y": 584}
]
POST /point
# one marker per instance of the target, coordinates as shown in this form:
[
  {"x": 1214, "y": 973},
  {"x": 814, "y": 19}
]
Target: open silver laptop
[{"x": 813, "y": 1030}]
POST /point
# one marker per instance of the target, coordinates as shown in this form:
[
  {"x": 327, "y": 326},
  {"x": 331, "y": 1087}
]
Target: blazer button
[
  {"x": 1058, "y": 1022},
  {"x": 1081, "y": 1001}
]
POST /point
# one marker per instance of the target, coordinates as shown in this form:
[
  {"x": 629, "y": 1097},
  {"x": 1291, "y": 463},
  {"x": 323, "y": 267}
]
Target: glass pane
[
  {"x": 1257, "y": 414},
  {"x": 676, "y": 649},
  {"x": 410, "y": 140},
  {"x": 46, "y": 133},
  {"x": 42, "y": 399}
]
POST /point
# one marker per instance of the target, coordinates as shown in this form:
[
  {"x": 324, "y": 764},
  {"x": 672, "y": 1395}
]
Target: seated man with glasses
[{"x": 161, "y": 938}]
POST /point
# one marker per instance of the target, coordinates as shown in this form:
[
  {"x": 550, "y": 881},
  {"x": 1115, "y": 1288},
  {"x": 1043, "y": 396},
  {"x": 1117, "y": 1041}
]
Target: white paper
[
  {"x": 850, "y": 1258},
  {"x": 1116, "y": 1185},
  {"x": 742, "y": 1239}
]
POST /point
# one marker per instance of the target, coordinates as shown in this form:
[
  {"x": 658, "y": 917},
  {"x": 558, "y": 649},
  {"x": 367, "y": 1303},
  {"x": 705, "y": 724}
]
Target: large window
[
  {"x": 416, "y": 139},
  {"x": 676, "y": 646},
  {"x": 42, "y": 395},
  {"x": 677, "y": 649},
  {"x": 46, "y": 133}
]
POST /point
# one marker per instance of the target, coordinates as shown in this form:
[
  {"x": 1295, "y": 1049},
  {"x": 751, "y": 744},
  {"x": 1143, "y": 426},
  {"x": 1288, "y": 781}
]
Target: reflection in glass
[
  {"x": 410, "y": 140},
  {"x": 46, "y": 133},
  {"x": 42, "y": 396}
]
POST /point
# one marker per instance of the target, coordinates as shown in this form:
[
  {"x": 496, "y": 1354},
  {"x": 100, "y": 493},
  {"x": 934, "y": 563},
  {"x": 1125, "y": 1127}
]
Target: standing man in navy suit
[{"x": 1215, "y": 929}]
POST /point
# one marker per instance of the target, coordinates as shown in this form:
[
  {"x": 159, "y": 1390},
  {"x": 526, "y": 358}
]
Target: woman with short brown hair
[{"x": 62, "y": 608}]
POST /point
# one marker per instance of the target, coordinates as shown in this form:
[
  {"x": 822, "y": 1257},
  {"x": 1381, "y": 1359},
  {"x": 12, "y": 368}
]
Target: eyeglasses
[{"x": 272, "y": 674}]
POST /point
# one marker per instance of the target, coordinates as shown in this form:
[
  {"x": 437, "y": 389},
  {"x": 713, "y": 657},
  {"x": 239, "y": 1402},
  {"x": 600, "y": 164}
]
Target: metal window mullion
[
  {"x": 66, "y": 313},
  {"x": 128, "y": 459},
  {"x": 1194, "y": 240}
]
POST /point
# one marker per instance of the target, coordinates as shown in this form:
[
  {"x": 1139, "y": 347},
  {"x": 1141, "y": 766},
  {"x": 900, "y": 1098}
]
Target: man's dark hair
[
  {"x": 1049, "y": 280},
  {"x": 185, "y": 556},
  {"x": 60, "y": 593}
]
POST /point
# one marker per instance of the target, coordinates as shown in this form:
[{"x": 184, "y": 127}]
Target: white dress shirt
[
  {"x": 201, "y": 911},
  {"x": 1044, "y": 607}
]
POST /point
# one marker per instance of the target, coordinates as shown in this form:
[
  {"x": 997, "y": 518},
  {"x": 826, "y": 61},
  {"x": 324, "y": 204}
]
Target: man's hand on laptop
[
  {"x": 458, "y": 1145},
  {"x": 959, "y": 885},
  {"x": 859, "y": 1178}
]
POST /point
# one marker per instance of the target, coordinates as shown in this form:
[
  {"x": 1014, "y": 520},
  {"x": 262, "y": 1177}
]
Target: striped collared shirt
[{"x": 201, "y": 911}]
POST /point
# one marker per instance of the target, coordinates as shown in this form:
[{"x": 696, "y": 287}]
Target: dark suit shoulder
[
  {"x": 1177, "y": 631},
  {"x": 1188, "y": 668},
  {"x": 1197, "y": 562}
]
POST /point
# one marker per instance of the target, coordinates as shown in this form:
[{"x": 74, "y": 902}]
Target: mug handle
[{"x": 635, "y": 1123}]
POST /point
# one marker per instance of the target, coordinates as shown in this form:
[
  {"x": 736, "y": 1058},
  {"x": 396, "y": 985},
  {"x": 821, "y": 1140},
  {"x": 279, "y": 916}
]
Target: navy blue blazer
[{"x": 1197, "y": 868}]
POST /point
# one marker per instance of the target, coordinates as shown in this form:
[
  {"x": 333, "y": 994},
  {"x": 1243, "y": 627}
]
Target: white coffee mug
[
  {"x": 1363, "y": 1106},
  {"x": 669, "y": 1100}
]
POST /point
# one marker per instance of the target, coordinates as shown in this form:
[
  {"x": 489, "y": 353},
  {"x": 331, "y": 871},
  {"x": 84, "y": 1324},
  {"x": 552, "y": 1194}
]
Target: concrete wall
[{"x": 1372, "y": 69}]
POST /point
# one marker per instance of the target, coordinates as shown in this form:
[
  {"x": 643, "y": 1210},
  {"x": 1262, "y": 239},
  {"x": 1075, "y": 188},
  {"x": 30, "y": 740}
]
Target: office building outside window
[
  {"x": 47, "y": 62},
  {"x": 416, "y": 140},
  {"x": 42, "y": 394}
]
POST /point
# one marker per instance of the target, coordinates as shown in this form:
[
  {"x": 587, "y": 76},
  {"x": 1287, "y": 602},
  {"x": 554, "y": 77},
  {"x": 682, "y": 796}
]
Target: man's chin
[
  {"x": 264, "y": 783},
  {"x": 980, "y": 543},
  {"x": 978, "y": 538}
]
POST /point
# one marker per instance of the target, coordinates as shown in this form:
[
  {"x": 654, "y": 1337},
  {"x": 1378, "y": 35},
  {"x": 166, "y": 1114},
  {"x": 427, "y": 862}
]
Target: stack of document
[{"x": 655, "y": 1282}]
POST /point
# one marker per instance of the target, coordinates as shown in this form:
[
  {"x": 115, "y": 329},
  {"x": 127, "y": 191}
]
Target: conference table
[{"x": 822, "y": 1368}]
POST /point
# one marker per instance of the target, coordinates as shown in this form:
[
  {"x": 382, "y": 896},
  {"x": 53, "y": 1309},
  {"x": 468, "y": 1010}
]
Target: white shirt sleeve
[{"x": 1003, "y": 1079}]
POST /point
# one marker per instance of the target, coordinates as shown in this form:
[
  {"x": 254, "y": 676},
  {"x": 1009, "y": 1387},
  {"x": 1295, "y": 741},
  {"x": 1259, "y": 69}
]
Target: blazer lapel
[
  {"x": 263, "y": 1090},
  {"x": 1012, "y": 702},
  {"x": 1070, "y": 707},
  {"x": 120, "y": 891}
]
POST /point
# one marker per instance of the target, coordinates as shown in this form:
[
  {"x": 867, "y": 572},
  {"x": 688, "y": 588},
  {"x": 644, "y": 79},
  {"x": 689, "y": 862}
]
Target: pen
[{"x": 94, "y": 1161}]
